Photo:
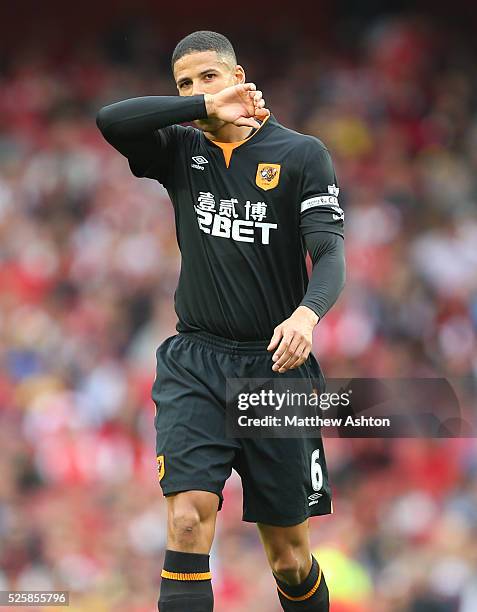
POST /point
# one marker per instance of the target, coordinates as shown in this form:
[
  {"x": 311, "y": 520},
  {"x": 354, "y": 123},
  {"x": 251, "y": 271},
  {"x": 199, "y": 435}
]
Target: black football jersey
[{"x": 242, "y": 211}]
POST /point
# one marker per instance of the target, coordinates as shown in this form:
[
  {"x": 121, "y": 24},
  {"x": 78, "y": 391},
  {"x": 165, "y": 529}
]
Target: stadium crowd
[{"x": 88, "y": 267}]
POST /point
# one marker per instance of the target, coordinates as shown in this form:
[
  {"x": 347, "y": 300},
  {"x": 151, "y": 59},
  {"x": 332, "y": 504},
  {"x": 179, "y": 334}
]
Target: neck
[{"x": 229, "y": 133}]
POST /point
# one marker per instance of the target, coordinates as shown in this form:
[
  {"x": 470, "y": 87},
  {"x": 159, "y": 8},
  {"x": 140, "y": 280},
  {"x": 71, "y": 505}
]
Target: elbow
[{"x": 103, "y": 120}]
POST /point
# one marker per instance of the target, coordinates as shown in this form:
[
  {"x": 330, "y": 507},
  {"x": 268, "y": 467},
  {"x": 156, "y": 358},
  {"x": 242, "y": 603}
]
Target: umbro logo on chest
[{"x": 198, "y": 162}]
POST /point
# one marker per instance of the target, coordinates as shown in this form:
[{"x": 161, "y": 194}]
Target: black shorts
[{"x": 193, "y": 451}]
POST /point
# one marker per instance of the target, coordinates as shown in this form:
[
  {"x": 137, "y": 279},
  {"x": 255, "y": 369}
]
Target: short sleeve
[{"x": 319, "y": 193}]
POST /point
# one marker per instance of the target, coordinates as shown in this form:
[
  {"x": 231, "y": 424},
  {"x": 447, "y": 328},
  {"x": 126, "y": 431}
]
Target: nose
[{"x": 197, "y": 89}]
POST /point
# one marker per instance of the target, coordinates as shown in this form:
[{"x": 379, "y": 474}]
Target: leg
[
  {"x": 186, "y": 578},
  {"x": 194, "y": 459},
  {"x": 300, "y": 582},
  {"x": 285, "y": 481},
  {"x": 191, "y": 517},
  {"x": 287, "y": 550}
]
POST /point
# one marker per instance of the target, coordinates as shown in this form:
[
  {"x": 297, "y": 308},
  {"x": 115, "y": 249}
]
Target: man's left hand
[{"x": 293, "y": 338}]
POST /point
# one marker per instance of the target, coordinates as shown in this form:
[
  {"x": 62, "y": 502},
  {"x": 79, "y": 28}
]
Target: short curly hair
[{"x": 204, "y": 40}]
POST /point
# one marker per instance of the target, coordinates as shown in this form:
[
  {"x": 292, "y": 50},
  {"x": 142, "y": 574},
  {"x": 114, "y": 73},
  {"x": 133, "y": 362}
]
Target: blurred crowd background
[{"x": 89, "y": 264}]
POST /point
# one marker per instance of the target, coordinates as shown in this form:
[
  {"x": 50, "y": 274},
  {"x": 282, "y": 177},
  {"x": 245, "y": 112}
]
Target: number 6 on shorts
[{"x": 316, "y": 472}]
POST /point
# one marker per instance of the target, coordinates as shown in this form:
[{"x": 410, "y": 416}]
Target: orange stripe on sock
[
  {"x": 186, "y": 576},
  {"x": 310, "y": 593}
]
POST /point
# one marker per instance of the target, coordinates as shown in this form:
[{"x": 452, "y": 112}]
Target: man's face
[{"x": 205, "y": 72}]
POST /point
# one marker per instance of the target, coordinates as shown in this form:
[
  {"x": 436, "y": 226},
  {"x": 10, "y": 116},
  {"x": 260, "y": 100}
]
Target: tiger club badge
[
  {"x": 160, "y": 467},
  {"x": 267, "y": 176}
]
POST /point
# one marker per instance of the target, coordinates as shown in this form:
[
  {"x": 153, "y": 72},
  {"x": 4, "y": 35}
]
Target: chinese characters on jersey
[{"x": 221, "y": 218}]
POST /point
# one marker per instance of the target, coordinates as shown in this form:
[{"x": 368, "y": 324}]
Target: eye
[
  {"x": 209, "y": 76},
  {"x": 184, "y": 84}
]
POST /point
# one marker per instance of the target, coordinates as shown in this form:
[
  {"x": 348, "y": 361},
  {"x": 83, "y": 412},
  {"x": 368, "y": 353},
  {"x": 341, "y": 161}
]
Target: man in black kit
[{"x": 250, "y": 198}]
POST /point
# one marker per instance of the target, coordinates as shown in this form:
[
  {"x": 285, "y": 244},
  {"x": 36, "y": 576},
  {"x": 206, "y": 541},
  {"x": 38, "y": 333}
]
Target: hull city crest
[
  {"x": 161, "y": 468},
  {"x": 267, "y": 176}
]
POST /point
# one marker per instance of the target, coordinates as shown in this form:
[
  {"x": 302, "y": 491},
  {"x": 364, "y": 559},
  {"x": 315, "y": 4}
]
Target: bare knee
[
  {"x": 191, "y": 521},
  {"x": 287, "y": 567},
  {"x": 185, "y": 525},
  {"x": 288, "y": 551}
]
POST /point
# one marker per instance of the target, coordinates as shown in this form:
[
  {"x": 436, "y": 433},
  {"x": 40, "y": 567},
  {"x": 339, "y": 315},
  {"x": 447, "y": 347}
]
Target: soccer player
[{"x": 250, "y": 197}]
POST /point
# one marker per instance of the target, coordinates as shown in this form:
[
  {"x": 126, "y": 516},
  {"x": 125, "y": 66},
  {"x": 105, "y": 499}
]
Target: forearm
[
  {"x": 329, "y": 271},
  {"x": 137, "y": 117}
]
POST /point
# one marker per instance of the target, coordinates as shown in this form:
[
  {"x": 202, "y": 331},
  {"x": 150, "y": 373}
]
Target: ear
[{"x": 239, "y": 75}]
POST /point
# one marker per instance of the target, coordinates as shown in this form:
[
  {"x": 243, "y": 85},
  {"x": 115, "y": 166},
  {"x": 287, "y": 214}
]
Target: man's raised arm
[
  {"x": 137, "y": 127},
  {"x": 138, "y": 117}
]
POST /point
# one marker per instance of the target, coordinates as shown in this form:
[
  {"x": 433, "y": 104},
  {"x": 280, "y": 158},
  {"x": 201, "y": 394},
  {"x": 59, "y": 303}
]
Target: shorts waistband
[{"x": 225, "y": 345}]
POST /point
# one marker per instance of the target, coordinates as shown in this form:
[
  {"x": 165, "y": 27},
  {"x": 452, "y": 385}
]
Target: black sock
[
  {"x": 186, "y": 583},
  {"x": 309, "y": 596}
]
